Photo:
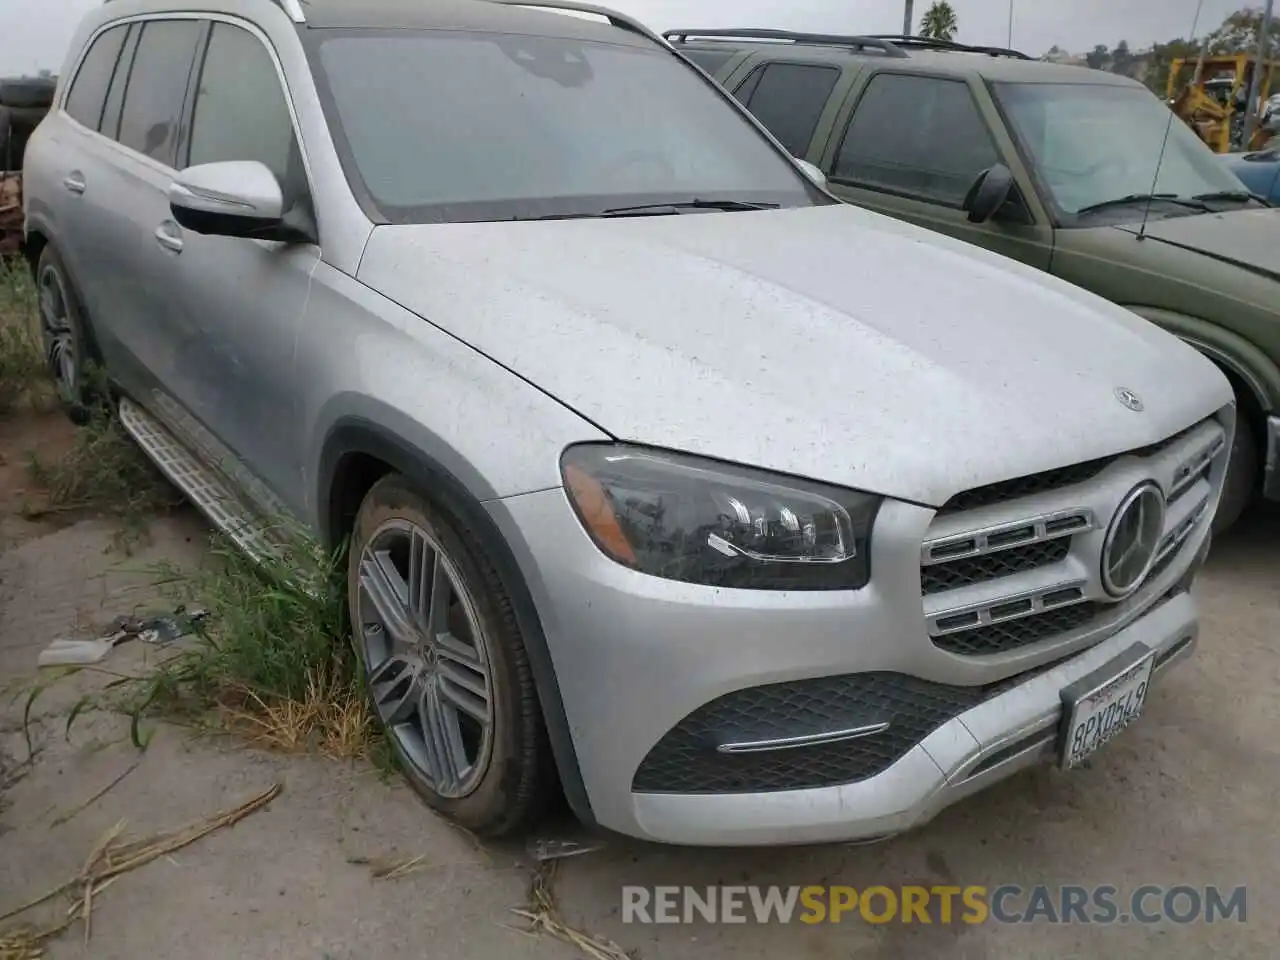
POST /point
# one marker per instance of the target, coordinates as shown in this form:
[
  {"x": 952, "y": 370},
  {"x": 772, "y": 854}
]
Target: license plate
[{"x": 1097, "y": 707}]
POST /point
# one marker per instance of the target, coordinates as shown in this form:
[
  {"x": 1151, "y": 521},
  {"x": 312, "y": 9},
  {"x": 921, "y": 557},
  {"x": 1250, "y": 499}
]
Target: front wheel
[{"x": 445, "y": 663}]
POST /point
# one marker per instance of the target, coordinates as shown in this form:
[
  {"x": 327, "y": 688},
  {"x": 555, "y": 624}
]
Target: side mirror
[
  {"x": 813, "y": 172},
  {"x": 239, "y": 198},
  {"x": 990, "y": 191}
]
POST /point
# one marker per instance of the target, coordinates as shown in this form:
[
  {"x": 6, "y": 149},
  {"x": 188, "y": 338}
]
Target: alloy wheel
[
  {"x": 59, "y": 334},
  {"x": 426, "y": 656}
]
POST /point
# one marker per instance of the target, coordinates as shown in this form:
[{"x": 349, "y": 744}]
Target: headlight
[{"x": 685, "y": 518}]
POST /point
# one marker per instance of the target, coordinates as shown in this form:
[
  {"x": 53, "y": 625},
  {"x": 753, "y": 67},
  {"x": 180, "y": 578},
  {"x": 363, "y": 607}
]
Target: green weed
[
  {"x": 105, "y": 473},
  {"x": 272, "y": 661},
  {"x": 24, "y": 378}
]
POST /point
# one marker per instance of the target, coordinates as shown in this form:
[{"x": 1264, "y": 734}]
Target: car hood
[
  {"x": 1245, "y": 238},
  {"x": 827, "y": 342}
]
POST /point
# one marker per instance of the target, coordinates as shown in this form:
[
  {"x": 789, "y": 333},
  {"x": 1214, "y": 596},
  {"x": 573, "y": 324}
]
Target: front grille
[
  {"x": 1014, "y": 634},
  {"x": 938, "y": 577},
  {"x": 1047, "y": 588},
  {"x": 1025, "y": 486},
  {"x": 685, "y": 760}
]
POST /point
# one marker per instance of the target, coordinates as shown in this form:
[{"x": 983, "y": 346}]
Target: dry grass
[
  {"x": 110, "y": 859},
  {"x": 332, "y": 718},
  {"x": 543, "y": 913}
]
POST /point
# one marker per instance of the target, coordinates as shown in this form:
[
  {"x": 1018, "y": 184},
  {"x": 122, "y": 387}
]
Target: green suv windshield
[{"x": 1096, "y": 147}]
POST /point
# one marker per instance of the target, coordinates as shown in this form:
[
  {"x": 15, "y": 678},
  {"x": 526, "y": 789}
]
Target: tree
[
  {"x": 1162, "y": 57},
  {"x": 1121, "y": 58},
  {"x": 1098, "y": 57},
  {"x": 939, "y": 22},
  {"x": 1238, "y": 33}
]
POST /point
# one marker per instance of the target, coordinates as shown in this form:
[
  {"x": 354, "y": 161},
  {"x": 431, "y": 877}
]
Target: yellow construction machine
[{"x": 1210, "y": 95}]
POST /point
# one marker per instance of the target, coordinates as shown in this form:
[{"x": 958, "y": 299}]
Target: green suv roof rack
[
  {"x": 928, "y": 43},
  {"x": 880, "y": 44}
]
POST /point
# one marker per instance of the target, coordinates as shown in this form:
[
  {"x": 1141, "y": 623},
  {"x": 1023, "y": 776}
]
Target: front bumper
[
  {"x": 1271, "y": 471},
  {"x": 635, "y": 655},
  {"x": 1005, "y": 734}
]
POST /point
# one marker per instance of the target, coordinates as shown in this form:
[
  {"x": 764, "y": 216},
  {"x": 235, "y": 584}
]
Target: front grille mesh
[
  {"x": 1014, "y": 634},
  {"x": 938, "y": 577},
  {"x": 1048, "y": 480},
  {"x": 1025, "y": 486},
  {"x": 686, "y": 759}
]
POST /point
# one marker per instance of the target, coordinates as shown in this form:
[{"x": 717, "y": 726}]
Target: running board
[{"x": 201, "y": 485}]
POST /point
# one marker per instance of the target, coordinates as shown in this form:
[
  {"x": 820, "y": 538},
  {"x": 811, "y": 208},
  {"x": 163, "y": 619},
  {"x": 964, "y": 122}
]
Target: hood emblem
[{"x": 1129, "y": 399}]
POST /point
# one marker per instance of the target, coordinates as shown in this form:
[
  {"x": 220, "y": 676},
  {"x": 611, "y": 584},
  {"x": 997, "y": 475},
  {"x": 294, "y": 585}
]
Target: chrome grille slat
[
  {"x": 1016, "y": 607},
  {"x": 1001, "y": 574},
  {"x": 1018, "y": 533},
  {"x": 1195, "y": 467}
]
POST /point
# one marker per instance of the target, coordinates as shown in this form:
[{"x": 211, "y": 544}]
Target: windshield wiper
[
  {"x": 1239, "y": 196},
  {"x": 671, "y": 208},
  {"x": 694, "y": 204},
  {"x": 1195, "y": 203}
]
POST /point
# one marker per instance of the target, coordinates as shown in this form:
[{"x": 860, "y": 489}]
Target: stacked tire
[{"x": 24, "y": 101}]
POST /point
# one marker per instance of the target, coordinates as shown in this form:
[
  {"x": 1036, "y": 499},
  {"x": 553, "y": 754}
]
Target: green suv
[{"x": 1083, "y": 174}]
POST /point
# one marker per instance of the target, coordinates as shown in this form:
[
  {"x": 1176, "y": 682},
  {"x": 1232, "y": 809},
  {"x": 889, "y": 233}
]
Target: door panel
[
  {"x": 233, "y": 306},
  {"x": 126, "y": 193},
  {"x": 911, "y": 149},
  {"x": 82, "y": 186}
]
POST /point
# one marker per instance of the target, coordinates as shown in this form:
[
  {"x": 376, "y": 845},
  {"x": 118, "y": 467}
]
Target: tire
[
  {"x": 27, "y": 92},
  {"x": 1241, "y": 483},
  {"x": 68, "y": 348},
  {"x": 497, "y": 779}
]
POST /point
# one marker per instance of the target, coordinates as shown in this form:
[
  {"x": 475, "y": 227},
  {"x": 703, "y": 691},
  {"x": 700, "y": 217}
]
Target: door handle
[
  {"x": 74, "y": 182},
  {"x": 167, "y": 239}
]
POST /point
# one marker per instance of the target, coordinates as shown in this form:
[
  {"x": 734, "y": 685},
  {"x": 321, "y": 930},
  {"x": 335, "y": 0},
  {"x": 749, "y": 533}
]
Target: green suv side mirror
[{"x": 993, "y": 188}]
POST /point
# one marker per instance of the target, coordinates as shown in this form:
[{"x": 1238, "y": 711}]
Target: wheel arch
[
  {"x": 1242, "y": 362},
  {"x": 355, "y": 454},
  {"x": 37, "y": 238}
]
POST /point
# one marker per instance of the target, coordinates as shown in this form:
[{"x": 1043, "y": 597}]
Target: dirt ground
[{"x": 1187, "y": 796}]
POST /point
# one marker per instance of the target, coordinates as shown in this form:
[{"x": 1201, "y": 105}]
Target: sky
[{"x": 34, "y": 33}]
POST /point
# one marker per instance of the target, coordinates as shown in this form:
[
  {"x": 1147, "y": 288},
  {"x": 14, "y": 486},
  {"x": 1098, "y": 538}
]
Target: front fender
[{"x": 1229, "y": 350}]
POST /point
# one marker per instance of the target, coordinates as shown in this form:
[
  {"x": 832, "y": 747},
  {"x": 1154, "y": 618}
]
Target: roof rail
[
  {"x": 928, "y": 43},
  {"x": 881, "y": 44},
  {"x": 292, "y": 7},
  {"x": 571, "y": 6}
]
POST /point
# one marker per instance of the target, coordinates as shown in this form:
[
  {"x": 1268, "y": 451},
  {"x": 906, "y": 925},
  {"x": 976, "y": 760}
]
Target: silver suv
[{"x": 744, "y": 515}]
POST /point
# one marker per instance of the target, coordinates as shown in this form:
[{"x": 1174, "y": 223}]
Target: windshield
[
  {"x": 445, "y": 125},
  {"x": 1093, "y": 143}
]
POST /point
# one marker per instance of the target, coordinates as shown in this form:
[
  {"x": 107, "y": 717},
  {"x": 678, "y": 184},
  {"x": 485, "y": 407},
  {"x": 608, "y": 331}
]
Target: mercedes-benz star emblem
[
  {"x": 1132, "y": 541},
  {"x": 1129, "y": 399}
]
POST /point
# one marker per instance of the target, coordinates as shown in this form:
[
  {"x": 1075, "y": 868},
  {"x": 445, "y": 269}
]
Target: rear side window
[
  {"x": 788, "y": 99},
  {"x": 89, "y": 89},
  {"x": 157, "y": 87},
  {"x": 240, "y": 109},
  {"x": 110, "y": 126},
  {"x": 709, "y": 60},
  {"x": 920, "y": 136}
]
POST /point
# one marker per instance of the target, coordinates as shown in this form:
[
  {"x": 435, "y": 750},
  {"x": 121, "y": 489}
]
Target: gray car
[{"x": 741, "y": 515}]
